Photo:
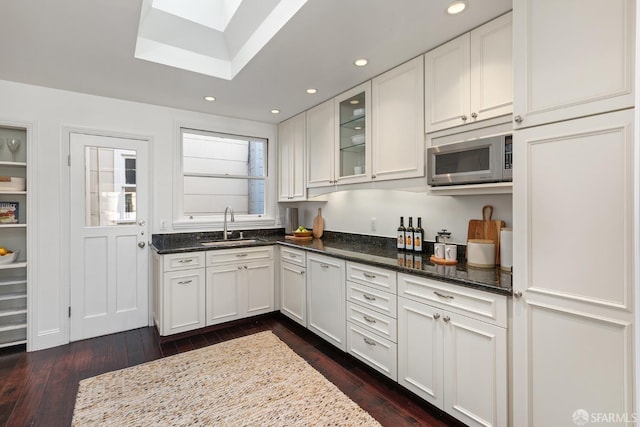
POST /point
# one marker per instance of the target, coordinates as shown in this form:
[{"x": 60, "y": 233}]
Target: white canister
[
  {"x": 438, "y": 250},
  {"x": 506, "y": 249},
  {"x": 481, "y": 253}
]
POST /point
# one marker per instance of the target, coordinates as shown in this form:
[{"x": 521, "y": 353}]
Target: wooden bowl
[{"x": 302, "y": 233}]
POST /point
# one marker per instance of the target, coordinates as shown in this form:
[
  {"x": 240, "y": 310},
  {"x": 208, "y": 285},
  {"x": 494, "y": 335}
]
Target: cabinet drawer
[
  {"x": 374, "y": 299},
  {"x": 183, "y": 261},
  {"x": 371, "y": 276},
  {"x": 226, "y": 256},
  {"x": 377, "y": 323},
  {"x": 480, "y": 305},
  {"x": 293, "y": 256},
  {"x": 377, "y": 352}
]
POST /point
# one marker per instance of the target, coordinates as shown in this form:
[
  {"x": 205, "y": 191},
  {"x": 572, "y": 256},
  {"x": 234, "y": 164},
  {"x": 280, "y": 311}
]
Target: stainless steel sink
[{"x": 237, "y": 242}]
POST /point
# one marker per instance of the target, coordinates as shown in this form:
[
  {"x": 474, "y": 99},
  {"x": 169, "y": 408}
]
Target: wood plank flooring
[{"x": 39, "y": 388}]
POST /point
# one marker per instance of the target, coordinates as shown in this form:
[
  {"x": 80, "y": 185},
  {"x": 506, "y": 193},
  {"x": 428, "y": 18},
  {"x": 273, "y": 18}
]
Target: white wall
[
  {"x": 51, "y": 111},
  {"x": 352, "y": 211}
]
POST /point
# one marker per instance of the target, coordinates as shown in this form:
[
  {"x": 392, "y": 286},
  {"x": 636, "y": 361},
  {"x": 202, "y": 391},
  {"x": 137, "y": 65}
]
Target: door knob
[{"x": 141, "y": 245}]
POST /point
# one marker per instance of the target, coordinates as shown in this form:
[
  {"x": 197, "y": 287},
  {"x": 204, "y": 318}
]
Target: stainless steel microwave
[{"x": 471, "y": 162}]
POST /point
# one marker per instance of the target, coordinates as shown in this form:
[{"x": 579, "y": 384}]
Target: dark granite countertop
[{"x": 376, "y": 251}]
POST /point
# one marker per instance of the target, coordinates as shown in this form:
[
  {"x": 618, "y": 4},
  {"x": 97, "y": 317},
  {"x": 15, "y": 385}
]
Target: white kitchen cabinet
[
  {"x": 353, "y": 135},
  {"x": 293, "y": 284},
  {"x": 397, "y": 134},
  {"x": 179, "y": 288},
  {"x": 239, "y": 283},
  {"x": 291, "y": 159},
  {"x": 326, "y": 298},
  {"x": 455, "y": 361},
  {"x": 572, "y": 58},
  {"x": 469, "y": 79},
  {"x": 320, "y": 145},
  {"x": 573, "y": 319},
  {"x": 13, "y": 235}
]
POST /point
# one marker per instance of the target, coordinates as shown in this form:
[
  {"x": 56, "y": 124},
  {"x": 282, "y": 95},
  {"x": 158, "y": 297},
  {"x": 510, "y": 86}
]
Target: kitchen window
[{"x": 220, "y": 170}]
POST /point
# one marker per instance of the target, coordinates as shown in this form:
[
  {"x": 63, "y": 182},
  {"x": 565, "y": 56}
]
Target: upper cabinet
[
  {"x": 291, "y": 176},
  {"x": 320, "y": 144},
  {"x": 469, "y": 79},
  {"x": 574, "y": 58},
  {"x": 353, "y": 147},
  {"x": 398, "y": 122}
]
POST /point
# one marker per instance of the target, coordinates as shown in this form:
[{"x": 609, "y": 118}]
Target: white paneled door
[{"x": 109, "y": 252}]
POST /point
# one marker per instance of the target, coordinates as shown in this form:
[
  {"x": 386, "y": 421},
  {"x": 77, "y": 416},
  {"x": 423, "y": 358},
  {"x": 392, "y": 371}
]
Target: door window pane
[{"x": 110, "y": 190}]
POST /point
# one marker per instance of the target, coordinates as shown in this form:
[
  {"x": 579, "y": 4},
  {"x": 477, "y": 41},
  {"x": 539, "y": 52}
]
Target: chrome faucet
[{"x": 224, "y": 231}]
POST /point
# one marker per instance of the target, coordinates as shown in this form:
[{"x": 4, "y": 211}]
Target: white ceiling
[{"x": 88, "y": 46}]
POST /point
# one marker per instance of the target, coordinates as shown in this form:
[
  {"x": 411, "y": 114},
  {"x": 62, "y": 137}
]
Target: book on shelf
[{"x": 9, "y": 212}]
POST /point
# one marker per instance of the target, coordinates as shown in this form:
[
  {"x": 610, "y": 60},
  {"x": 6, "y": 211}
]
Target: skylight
[{"x": 213, "y": 37}]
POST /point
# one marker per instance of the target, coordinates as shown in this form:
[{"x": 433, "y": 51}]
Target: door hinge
[
  {"x": 69, "y": 311},
  {"x": 68, "y": 159}
]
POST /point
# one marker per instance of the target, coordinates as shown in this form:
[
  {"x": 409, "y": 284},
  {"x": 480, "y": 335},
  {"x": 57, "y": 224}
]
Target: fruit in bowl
[
  {"x": 7, "y": 256},
  {"x": 302, "y": 232}
]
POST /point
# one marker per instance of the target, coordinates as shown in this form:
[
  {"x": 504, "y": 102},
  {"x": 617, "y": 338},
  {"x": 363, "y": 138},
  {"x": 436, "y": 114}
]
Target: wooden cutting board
[
  {"x": 486, "y": 228},
  {"x": 318, "y": 225}
]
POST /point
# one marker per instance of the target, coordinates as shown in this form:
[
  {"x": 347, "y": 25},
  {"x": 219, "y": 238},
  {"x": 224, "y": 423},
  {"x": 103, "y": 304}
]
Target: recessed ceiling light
[
  {"x": 312, "y": 90},
  {"x": 360, "y": 62},
  {"x": 210, "y": 98},
  {"x": 456, "y": 7},
  {"x": 275, "y": 111},
  {"x": 354, "y": 102}
]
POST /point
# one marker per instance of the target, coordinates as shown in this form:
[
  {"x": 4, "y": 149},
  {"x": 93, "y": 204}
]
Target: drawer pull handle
[
  {"x": 241, "y": 255},
  {"x": 182, "y": 261},
  {"x": 369, "y": 297},
  {"x": 369, "y": 276},
  {"x": 293, "y": 256},
  {"x": 324, "y": 266},
  {"x": 368, "y": 341},
  {"x": 185, "y": 282},
  {"x": 449, "y": 297},
  {"x": 369, "y": 319}
]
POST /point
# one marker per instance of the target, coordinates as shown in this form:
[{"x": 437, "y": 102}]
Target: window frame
[{"x": 263, "y": 131}]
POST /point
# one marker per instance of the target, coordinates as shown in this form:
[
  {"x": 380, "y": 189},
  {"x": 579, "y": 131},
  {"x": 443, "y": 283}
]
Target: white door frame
[{"x": 65, "y": 201}]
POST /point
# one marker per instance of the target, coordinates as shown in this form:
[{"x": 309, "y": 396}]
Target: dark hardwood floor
[{"x": 39, "y": 388}]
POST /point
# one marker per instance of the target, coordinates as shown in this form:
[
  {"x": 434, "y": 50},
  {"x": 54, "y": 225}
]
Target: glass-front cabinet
[{"x": 353, "y": 149}]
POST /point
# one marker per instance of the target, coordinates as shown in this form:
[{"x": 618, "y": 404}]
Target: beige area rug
[{"x": 255, "y": 380}]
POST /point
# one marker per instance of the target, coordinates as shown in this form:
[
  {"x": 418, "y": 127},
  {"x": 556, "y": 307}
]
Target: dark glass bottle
[
  {"x": 409, "y": 239},
  {"x": 401, "y": 234},
  {"x": 418, "y": 236}
]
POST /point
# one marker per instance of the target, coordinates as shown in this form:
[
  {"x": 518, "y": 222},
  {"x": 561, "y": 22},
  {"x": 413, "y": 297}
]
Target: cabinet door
[
  {"x": 291, "y": 141},
  {"x": 573, "y": 327},
  {"x": 223, "y": 293},
  {"x": 353, "y": 135},
  {"x": 326, "y": 299},
  {"x": 475, "y": 371},
  {"x": 572, "y": 58},
  {"x": 420, "y": 367},
  {"x": 183, "y": 301},
  {"x": 398, "y": 122},
  {"x": 447, "y": 85},
  {"x": 492, "y": 69},
  {"x": 258, "y": 281},
  {"x": 320, "y": 144},
  {"x": 293, "y": 292}
]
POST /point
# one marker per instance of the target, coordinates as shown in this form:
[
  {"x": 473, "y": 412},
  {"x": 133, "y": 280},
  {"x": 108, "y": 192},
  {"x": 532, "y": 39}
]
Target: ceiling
[{"x": 88, "y": 46}]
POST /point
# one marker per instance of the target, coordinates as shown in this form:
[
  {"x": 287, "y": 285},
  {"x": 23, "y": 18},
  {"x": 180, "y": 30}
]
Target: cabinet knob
[
  {"x": 141, "y": 245},
  {"x": 474, "y": 115},
  {"x": 373, "y": 176},
  {"x": 464, "y": 118},
  {"x": 518, "y": 119},
  {"x": 436, "y": 316},
  {"x": 517, "y": 294},
  {"x": 446, "y": 318},
  {"x": 301, "y": 271}
]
